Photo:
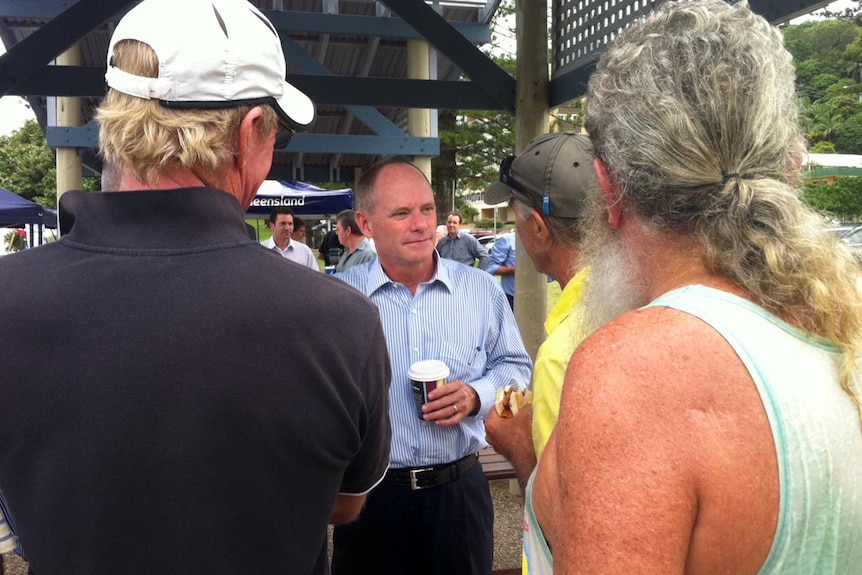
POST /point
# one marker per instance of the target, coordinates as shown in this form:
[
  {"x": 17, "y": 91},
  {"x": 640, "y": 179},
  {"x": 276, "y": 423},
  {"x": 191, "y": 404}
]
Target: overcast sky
[{"x": 14, "y": 111}]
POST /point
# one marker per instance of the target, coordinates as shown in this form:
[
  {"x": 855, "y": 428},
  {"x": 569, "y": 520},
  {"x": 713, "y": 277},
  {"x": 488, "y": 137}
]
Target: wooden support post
[
  {"x": 419, "y": 119},
  {"x": 531, "y": 120},
  {"x": 69, "y": 172}
]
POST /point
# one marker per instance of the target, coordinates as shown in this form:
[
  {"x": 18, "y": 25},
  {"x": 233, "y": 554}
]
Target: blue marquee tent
[
  {"x": 16, "y": 211},
  {"x": 304, "y": 199}
]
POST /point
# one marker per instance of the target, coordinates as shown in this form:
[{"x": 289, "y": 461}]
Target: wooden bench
[{"x": 495, "y": 465}]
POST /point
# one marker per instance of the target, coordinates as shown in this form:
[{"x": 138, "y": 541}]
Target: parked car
[
  {"x": 840, "y": 229},
  {"x": 853, "y": 240},
  {"x": 488, "y": 241},
  {"x": 852, "y": 237}
]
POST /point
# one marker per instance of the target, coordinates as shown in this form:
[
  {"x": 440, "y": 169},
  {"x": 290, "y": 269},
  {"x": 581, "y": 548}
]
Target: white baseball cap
[{"x": 212, "y": 54}]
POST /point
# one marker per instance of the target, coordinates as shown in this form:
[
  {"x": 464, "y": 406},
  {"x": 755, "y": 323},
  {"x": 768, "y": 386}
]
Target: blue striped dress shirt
[
  {"x": 7, "y": 538},
  {"x": 461, "y": 317}
]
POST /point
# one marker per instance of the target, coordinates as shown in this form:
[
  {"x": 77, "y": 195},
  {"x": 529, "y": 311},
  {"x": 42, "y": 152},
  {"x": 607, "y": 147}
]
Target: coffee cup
[{"x": 424, "y": 376}]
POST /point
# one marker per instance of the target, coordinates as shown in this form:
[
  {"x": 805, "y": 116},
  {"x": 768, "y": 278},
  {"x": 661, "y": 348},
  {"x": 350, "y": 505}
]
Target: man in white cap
[{"x": 154, "y": 429}]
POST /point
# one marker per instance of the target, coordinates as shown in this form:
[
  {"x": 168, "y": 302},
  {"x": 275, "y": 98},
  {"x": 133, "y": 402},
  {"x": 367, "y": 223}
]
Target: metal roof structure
[{"x": 349, "y": 56}]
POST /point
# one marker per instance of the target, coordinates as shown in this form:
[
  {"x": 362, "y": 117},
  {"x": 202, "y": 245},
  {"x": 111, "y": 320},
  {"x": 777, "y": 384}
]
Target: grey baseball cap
[{"x": 552, "y": 175}]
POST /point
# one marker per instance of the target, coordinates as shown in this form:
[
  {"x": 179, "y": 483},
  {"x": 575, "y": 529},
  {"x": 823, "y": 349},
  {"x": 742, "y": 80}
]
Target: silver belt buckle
[{"x": 414, "y": 485}]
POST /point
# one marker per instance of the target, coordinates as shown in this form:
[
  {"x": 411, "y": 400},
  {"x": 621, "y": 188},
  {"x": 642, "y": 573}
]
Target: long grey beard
[{"x": 613, "y": 287}]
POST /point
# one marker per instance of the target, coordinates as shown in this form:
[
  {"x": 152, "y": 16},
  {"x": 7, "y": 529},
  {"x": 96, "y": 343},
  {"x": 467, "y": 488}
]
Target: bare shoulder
[
  {"x": 649, "y": 354},
  {"x": 661, "y": 430}
]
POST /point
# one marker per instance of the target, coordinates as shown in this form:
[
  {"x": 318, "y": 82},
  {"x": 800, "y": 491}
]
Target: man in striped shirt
[{"x": 432, "y": 513}]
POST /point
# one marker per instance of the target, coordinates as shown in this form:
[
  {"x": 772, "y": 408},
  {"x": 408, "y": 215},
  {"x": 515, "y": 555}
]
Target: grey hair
[
  {"x": 567, "y": 232},
  {"x": 694, "y": 113}
]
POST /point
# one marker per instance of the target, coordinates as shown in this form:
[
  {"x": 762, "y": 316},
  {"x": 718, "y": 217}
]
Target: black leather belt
[{"x": 431, "y": 476}]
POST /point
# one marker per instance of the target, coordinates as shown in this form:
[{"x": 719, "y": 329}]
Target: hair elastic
[{"x": 725, "y": 177}]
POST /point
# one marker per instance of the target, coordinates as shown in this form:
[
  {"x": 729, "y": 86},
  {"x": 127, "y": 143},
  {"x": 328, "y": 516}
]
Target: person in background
[
  {"x": 330, "y": 249},
  {"x": 501, "y": 262},
  {"x": 461, "y": 246},
  {"x": 433, "y": 512},
  {"x": 299, "y": 230},
  {"x": 151, "y": 430},
  {"x": 357, "y": 250},
  {"x": 281, "y": 224},
  {"x": 718, "y": 428}
]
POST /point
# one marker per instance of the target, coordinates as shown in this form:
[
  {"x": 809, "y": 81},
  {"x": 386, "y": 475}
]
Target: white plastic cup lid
[{"x": 428, "y": 370}]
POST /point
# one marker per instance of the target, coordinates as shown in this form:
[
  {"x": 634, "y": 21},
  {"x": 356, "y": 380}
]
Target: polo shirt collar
[{"x": 179, "y": 219}]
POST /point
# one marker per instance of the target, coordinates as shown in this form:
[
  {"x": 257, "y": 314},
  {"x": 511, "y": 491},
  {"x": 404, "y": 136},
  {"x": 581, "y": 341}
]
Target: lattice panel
[{"x": 584, "y": 27}]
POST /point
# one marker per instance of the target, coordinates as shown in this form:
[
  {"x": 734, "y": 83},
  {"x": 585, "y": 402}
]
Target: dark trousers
[
  {"x": 445, "y": 530},
  {"x": 511, "y": 299}
]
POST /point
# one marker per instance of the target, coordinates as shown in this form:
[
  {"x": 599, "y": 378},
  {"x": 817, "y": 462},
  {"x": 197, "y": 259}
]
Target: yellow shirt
[{"x": 563, "y": 331}]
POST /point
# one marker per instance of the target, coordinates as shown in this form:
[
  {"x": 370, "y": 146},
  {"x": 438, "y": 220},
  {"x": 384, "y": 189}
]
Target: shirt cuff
[{"x": 487, "y": 395}]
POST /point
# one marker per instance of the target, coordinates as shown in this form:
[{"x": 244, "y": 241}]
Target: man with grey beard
[{"x": 718, "y": 428}]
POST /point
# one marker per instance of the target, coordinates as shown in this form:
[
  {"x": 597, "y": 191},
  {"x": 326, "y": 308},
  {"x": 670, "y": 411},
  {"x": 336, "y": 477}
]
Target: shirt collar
[
  {"x": 569, "y": 298},
  {"x": 378, "y": 279},
  {"x": 153, "y": 219}
]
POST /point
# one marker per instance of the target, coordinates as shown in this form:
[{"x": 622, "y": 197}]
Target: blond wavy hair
[
  {"x": 694, "y": 113},
  {"x": 148, "y": 138}
]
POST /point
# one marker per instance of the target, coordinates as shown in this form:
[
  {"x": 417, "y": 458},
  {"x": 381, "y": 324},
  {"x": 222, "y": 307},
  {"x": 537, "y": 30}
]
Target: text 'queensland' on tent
[{"x": 304, "y": 199}]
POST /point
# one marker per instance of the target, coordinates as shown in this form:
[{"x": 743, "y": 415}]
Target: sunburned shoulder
[{"x": 654, "y": 352}]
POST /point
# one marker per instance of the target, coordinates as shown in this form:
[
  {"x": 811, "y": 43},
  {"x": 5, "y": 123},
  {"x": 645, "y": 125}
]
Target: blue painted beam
[
  {"x": 45, "y": 9},
  {"x": 490, "y": 77},
  {"x": 284, "y": 21},
  {"x": 55, "y": 37},
  {"x": 311, "y": 174},
  {"x": 88, "y": 137},
  {"x": 369, "y": 116},
  {"x": 348, "y": 25},
  {"x": 573, "y": 83},
  {"x": 373, "y": 145},
  {"x": 89, "y": 82},
  {"x": 777, "y": 11}
]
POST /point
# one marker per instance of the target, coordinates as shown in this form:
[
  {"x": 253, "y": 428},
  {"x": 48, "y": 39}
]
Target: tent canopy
[
  {"x": 16, "y": 211},
  {"x": 304, "y": 199}
]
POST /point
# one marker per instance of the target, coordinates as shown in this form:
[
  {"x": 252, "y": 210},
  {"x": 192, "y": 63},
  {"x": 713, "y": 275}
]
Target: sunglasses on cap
[{"x": 506, "y": 178}]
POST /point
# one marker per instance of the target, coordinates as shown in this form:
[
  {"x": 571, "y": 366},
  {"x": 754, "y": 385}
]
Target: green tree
[
  {"x": 848, "y": 136},
  {"x": 843, "y": 199},
  {"x": 472, "y": 142},
  {"x": 817, "y": 88},
  {"x": 823, "y": 148},
  {"x": 827, "y": 56},
  {"x": 28, "y": 166},
  {"x": 830, "y": 38}
]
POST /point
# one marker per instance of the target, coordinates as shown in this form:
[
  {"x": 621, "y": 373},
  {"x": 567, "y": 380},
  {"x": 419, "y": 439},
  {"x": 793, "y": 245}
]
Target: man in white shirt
[{"x": 281, "y": 224}]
